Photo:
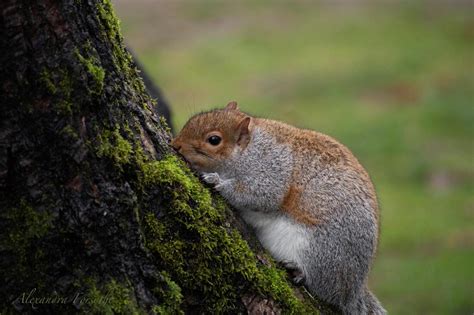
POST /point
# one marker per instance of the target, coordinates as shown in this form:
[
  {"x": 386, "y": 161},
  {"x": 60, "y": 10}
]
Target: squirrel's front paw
[{"x": 211, "y": 178}]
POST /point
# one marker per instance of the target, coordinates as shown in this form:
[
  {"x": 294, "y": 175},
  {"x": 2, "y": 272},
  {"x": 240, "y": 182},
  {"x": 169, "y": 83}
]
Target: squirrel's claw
[
  {"x": 211, "y": 178},
  {"x": 295, "y": 272},
  {"x": 216, "y": 180},
  {"x": 297, "y": 277}
]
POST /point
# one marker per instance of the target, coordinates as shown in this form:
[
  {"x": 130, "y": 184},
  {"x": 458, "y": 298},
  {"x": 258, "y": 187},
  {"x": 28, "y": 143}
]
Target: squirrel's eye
[{"x": 214, "y": 140}]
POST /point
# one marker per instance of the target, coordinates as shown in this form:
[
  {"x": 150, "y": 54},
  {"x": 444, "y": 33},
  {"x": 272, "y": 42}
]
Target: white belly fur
[{"x": 284, "y": 239}]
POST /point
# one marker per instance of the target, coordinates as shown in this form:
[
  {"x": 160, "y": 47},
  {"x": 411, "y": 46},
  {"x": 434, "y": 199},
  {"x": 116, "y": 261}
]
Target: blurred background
[{"x": 393, "y": 81}]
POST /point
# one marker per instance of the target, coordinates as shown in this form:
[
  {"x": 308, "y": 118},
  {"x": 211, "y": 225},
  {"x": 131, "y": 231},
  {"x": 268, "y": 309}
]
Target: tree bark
[
  {"x": 96, "y": 213},
  {"x": 162, "y": 107}
]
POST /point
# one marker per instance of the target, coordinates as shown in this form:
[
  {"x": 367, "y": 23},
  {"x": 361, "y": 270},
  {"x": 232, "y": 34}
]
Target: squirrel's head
[{"x": 209, "y": 138}]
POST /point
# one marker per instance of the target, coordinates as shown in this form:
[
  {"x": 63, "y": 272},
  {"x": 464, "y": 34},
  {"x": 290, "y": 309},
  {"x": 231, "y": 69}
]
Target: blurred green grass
[{"x": 394, "y": 82}]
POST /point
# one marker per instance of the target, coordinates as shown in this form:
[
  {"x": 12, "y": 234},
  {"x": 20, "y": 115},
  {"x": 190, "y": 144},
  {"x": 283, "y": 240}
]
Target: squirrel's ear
[
  {"x": 232, "y": 106},
  {"x": 244, "y": 132}
]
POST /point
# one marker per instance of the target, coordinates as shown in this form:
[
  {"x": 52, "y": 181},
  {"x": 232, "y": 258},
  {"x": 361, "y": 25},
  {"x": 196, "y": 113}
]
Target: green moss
[
  {"x": 25, "y": 225},
  {"x": 111, "y": 298},
  {"x": 47, "y": 81},
  {"x": 69, "y": 132},
  {"x": 110, "y": 29},
  {"x": 64, "y": 106},
  {"x": 170, "y": 293},
  {"x": 8, "y": 311},
  {"x": 164, "y": 124},
  {"x": 66, "y": 88},
  {"x": 57, "y": 83},
  {"x": 114, "y": 146},
  {"x": 95, "y": 71},
  {"x": 109, "y": 20},
  {"x": 204, "y": 257},
  {"x": 118, "y": 298}
]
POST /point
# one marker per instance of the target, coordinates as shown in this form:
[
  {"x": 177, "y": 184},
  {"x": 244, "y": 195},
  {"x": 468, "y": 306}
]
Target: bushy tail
[{"x": 366, "y": 304}]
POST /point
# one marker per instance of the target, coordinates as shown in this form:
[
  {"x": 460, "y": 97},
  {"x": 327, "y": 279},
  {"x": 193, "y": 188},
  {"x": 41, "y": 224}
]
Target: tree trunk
[{"x": 96, "y": 213}]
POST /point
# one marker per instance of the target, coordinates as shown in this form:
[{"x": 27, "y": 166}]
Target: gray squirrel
[{"x": 311, "y": 203}]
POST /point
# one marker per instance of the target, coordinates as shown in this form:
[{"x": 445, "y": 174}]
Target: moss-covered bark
[{"x": 97, "y": 215}]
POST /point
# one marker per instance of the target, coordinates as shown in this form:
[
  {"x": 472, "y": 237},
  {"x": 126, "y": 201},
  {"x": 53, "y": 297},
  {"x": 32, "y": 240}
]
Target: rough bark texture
[
  {"x": 96, "y": 214},
  {"x": 162, "y": 107}
]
